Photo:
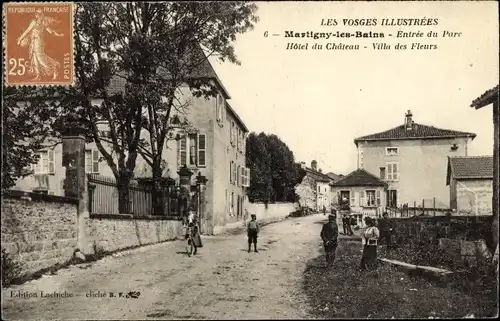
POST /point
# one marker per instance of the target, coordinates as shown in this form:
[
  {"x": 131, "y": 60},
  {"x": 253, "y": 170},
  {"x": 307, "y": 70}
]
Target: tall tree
[
  {"x": 274, "y": 173},
  {"x": 258, "y": 160},
  {"x": 135, "y": 57},
  {"x": 27, "y": 119}
]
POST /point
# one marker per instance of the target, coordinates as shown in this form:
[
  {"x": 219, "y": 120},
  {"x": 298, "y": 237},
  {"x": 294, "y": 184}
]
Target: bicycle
[{"x": 189, "y": 245}]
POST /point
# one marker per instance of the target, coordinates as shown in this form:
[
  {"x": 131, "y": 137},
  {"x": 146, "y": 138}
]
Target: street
[
  {"x": 286, "y": 279},
  {"x": 222, "y": 281}
]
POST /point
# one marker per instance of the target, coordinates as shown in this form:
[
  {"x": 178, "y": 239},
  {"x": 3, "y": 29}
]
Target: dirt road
[{"x": 222, "y": 281}]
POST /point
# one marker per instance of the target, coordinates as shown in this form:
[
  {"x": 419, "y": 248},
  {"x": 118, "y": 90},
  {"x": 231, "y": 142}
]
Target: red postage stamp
[{"x": 38, "y": 44}]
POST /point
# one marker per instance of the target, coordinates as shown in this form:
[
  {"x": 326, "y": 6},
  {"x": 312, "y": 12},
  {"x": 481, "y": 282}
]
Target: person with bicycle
[
  {"x": 193, "y": 237},
  {"x": 329, "y": 235}
]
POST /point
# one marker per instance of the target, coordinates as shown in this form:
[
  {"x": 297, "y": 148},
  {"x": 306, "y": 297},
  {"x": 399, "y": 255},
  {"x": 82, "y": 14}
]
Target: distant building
[
  {"x": 364, "y": 192},
  {"x": 471, "y": 184},
  {"x": 491, "y": 97},
  {"x": 412, "y": 159},
  {"x": 315, "y": 190}
]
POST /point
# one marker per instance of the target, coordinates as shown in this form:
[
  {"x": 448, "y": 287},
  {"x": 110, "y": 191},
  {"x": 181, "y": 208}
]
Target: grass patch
[{"x": 343, "y": 291}]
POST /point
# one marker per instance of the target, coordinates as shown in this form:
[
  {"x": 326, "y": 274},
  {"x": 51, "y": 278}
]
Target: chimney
[
  {"x": 320, "y": 170},
  {"x": 408, "y": 120},
  {"x": 314, "y": 165},
  {"x": 303, "y": 165}
]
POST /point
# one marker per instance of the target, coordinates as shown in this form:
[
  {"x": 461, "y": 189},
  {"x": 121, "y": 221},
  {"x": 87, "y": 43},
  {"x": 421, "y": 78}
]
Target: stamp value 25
[{"x": 38, "y": 44}]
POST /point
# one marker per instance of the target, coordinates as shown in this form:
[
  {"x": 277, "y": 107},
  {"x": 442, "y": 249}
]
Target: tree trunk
[
  {"x": 124, "y": 195},
  {"x": 157, "y": 192}
]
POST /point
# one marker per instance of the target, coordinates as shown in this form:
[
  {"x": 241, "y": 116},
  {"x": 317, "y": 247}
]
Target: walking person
[
  {"x": 329, "y": 234},
  {"x": 253, "y": 233},
  {"x": 386, "y": 230},
  {"x": 193, "y": 236},
  {"x": 350, "y": 224},
  {"x": 345, "y": 224},
  {"x": 324, "y": 210},
  {"x": 369, "y": 239}
]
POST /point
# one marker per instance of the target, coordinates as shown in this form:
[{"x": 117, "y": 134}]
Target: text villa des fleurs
[{"x": 415, "y": 35}]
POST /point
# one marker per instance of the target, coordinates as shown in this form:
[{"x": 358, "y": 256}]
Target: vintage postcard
[
  {"x": 250, "y": 160},
  {"x": 38, "y": 44}
]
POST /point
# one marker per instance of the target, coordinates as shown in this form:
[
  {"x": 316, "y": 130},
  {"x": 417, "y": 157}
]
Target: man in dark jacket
[
  {"x": 329, "y": 235},
  {"x": 386, "y": 229},
  {"x": 345, "y": 223}
]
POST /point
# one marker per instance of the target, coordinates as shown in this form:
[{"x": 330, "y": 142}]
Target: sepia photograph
[{"x": 178, "y": 160}]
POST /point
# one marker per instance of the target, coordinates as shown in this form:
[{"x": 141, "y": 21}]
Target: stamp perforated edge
[{"x": 4, "y": 47}]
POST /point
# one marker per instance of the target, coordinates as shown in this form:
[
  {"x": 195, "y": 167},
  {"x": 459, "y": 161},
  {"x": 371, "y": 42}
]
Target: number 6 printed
[{"x": 19, "y": 66}]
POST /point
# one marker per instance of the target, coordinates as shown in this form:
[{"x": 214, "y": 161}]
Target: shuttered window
[{"x": 202, "y": 150}]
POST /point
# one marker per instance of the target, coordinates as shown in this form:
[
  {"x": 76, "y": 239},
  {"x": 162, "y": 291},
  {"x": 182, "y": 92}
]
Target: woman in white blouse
[{"x": 369, "y": 239}]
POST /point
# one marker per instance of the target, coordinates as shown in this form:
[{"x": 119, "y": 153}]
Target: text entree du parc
[{"x": 402, "y": 28}]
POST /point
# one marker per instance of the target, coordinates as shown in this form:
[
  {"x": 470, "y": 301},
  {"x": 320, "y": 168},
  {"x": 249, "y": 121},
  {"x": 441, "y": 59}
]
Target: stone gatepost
[
  {"x": 75, "y": 181},
  {"x": 185, "y": 189},
  {"x": 201, "y": 182}
]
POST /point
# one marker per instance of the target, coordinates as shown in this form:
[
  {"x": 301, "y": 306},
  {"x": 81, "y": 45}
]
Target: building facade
[
  {"x": 492, "y": 97},
  {"x": 470, "y": 180},
  {"x": 412, "y": 160},
  {"x": 213, "y": 146},
  {"x": 363, "y": 191},
  {"x": 315, "y": 190}
]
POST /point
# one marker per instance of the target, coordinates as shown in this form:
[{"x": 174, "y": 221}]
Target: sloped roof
[
  {"x": 334, "y": 176},
  {"x": 317, "y": 176},
  {"x": 237, "y": 118},
  {"x": 418, "y": 131},
  {"x": 203, "y": 70},
  {"x": 486, "y": 98},
  {"x": 359, "y": 177},
  {"x": 470, "y": 167}
]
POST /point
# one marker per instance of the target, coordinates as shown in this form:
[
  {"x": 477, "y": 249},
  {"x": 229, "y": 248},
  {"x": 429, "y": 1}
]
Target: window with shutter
[
  {"x": 51, "y": 162},
  {"x": 378, "y": 198},
  {"x": 182, "y": 151},
  {"x": 42, "y": 165},
  {"x": 392, "y": 171},
  {"x": 362, "y": 198},
  {"x": 234, "y": 173},
  {"x": 192, "y": 147},
  {"x": 395, "y": 173},
  {"x": 231, "y": 172},
  {"x": 202, "y": 149},
  {"x": 238, "y": 178},
  {"x": 389, "y": 171},
  {"x": 370, "y": 198},
  {"x": 248, "y": 177},
  {"x": 88, "y": 161},
  {"x": 95, "y": 161},
  {"x": 353, "y": 198}
]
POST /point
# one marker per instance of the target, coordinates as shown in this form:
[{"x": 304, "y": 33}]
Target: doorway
[{"x": 392, "y": 198}]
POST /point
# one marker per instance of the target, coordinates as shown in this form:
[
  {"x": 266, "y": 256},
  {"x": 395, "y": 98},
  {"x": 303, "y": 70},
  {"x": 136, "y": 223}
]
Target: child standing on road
[{"x": 253, "y": 232}]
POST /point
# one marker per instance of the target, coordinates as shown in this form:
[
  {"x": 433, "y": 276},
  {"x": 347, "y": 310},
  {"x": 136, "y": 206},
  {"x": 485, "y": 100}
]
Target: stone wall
[
  {"x": 430, "y": 229},
  {"x": 112, "y": 233},
  {"x": 475, "y": 196},
  {"x": 265, "y": 214},
  {"x": 38, "y": 230},
  {"x": 271, "y": 211}
]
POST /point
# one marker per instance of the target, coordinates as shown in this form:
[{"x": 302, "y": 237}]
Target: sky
[{"x": 318, "y": 101}]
